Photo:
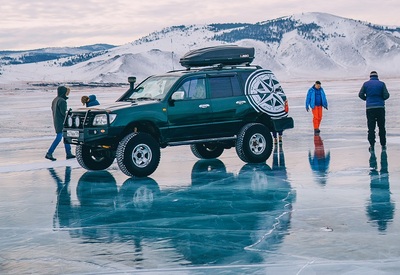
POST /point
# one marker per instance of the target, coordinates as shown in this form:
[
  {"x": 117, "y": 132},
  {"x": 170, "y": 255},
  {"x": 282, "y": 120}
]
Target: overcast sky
[{"x": 26, "y": 24}]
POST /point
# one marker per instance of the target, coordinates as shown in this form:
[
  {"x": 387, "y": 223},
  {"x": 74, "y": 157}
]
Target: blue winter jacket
[
  {"x": 310, "y": 99},
  {"x": 374, "y": 92},
  {"x": 92, "y": 101}
]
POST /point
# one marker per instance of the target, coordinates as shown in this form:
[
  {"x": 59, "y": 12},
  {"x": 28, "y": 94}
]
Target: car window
[
  {"x": 224, "y": 86},
  {"x": 193, "y": 88}
]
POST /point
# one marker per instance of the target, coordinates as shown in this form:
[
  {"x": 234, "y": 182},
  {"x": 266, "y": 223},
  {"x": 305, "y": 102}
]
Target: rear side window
[{"x": 224, "y": 86}]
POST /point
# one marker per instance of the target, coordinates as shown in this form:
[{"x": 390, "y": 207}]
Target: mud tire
[
  {"x": 207, "y": 150},
  {"x": 254, "y": 143},
  {"x": 94, "y": 158},
  {"x": 138, "y": 155}
]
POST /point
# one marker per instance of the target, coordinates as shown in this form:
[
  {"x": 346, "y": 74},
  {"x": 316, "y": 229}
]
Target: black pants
[{"x": 376, "y": 116}]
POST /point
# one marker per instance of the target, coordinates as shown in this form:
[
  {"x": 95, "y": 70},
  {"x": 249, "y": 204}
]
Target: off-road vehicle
[{"x": 217, "y": 102}]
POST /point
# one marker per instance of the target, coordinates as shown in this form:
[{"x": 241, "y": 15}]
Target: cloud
[{"x": 47, "y": 23}]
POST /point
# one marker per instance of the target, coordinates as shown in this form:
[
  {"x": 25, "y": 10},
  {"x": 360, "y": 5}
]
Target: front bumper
[{"x": 91, "y": 136}]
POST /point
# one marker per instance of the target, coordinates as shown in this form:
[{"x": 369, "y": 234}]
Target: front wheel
[
  {"x": 207, "y": 150},
  {"x": 138, "y": 155},
  {"x": 92, "y": 158},
  {"x": 254, "y": 143}
]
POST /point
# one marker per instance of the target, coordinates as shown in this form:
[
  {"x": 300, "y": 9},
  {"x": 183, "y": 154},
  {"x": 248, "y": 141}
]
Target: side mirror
[{"x": 178, "y": 95}]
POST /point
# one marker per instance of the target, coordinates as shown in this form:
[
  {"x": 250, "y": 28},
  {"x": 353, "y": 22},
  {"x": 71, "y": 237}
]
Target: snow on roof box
[{"x": 225, "y": 55}]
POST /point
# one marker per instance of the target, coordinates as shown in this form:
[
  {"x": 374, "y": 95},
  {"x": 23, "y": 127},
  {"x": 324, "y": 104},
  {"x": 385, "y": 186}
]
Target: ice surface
[{"x": 318, "y": 206}]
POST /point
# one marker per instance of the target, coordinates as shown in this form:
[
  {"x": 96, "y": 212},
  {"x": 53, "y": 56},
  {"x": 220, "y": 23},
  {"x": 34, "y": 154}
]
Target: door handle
[
  {"x": 204, "y": 106},
  {"x": 241, "y": 102}
]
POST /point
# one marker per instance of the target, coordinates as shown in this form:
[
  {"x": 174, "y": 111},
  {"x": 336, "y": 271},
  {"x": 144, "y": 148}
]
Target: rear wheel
[
  {"x": 138, "y": 155},
  {"x": 207, "y": 150},
  {"x": 254, "y": 143},
  {"x": 92, "y": 158}
]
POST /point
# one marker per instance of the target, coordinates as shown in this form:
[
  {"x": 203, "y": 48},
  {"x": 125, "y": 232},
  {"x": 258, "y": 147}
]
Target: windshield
[{"x": 153, "y": 88}]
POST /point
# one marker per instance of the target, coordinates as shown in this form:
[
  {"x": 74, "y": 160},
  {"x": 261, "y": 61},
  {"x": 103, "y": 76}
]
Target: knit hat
[
  {"x": 373, "y": 73},
  {"x": 318, "y": 82}
]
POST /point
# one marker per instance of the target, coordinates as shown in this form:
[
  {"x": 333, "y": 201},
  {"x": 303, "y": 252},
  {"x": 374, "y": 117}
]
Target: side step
[{"x": 187, "y": 142}]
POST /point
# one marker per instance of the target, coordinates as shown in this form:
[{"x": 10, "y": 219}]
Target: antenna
[{"x": 172, "y": 56}]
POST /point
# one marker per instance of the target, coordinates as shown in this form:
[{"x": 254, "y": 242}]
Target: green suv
[{"x": 212, "y": 105}]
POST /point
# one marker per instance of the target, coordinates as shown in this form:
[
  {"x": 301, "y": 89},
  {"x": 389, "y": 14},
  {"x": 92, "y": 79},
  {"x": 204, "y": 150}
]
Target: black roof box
[{"x": 225, "y": 55}]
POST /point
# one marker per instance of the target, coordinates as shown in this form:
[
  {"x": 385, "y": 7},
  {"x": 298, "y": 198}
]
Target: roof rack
[{"x": 229, "y": 67}]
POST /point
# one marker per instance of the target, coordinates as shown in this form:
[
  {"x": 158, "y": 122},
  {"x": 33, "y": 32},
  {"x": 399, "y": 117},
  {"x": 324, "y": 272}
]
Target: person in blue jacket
[
  {"x": 316, "y": 100},
  {"x": 89, "y": 101},
  {"x": 374, "y": 92}
]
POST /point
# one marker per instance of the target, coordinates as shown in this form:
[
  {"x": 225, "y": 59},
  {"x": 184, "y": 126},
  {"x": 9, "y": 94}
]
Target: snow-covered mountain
[{"x": 297, "y": 46}]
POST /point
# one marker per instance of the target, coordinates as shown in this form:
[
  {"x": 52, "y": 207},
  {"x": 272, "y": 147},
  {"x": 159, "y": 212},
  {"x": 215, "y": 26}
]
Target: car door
[
  {"x": 228, "y": 102},
  {"x": 189, "y": 110}
]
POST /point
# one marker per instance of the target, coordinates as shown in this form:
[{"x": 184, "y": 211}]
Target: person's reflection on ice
[
  {"x": 380, "y": 208},
  {"x": 319, "y": 161},
  {"x": 63, "y": 197},
  {"x": 278, "y": 160}
]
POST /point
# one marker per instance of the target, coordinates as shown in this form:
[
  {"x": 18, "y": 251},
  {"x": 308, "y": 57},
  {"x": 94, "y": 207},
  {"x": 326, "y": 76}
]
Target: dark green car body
[{"x": 207, "y": 107}]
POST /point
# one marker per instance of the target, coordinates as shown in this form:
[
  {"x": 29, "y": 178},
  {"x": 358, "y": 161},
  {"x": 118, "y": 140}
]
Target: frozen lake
[{"x": 318, "y": 206}]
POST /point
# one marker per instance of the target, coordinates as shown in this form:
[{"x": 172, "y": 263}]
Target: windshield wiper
[
  {"x": 145, "y": 98},
  {"x": 129, "y": 99}
]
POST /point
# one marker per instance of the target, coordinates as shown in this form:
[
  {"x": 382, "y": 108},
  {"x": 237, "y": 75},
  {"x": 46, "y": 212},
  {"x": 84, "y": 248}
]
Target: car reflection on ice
[{"x": 221, "y": 218}]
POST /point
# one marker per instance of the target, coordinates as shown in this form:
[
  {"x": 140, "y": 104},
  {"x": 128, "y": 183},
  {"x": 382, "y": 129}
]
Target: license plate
[{"x": 72, "y": 133}]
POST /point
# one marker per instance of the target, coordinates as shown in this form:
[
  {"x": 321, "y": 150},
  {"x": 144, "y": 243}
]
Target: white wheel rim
[
  {"x": 257, "y": 144},
  {"x": 141, "y": 155}
]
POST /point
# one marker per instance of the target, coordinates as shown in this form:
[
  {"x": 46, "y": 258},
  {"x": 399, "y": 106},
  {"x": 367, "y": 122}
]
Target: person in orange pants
[{"x": 316, "y": 100}]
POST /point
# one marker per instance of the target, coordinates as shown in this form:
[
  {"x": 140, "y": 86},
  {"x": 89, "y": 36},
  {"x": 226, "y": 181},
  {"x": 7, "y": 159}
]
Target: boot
[
  {"x": 50, "y": 157},
  {"x": 70, "y": 156}
]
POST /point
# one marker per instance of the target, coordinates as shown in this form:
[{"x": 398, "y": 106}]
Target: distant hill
[
  {"x": 297, "y": 46},
  {"x": 38, "y": 55}
]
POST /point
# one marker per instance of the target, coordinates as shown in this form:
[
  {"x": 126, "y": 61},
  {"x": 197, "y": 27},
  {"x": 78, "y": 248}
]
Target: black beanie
[{"x": 373, "y": 73}]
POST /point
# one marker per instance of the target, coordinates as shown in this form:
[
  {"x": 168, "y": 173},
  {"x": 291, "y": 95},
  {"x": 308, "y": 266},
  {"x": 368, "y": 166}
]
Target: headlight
[
  {"x": 100, "y": 120},
  {"x": 77, "y": 122},
  {"x": 69, "y": 121}
]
